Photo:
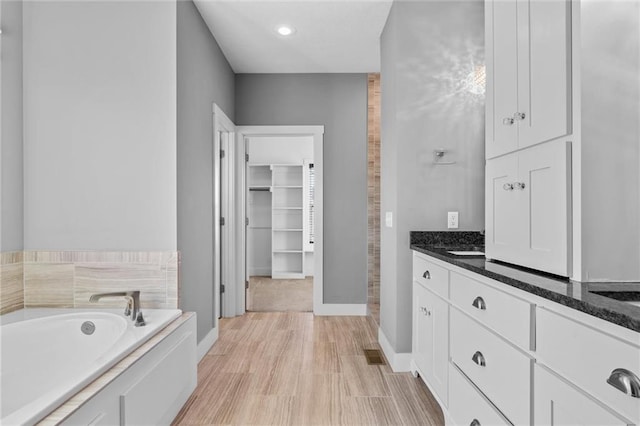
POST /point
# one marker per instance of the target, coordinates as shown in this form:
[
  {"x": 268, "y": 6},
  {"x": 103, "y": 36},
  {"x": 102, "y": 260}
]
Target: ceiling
[{"x": 331, "y": 36}]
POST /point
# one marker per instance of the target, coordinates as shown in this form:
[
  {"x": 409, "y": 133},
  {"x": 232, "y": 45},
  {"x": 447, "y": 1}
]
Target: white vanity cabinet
[
  {"x": 558, "y": 402},
  {"x": 528, "y": 207},
  {"x": 528, "y": 57},
  {"x": 517, "y": 358},
  {"x": 431, "y": 325}
]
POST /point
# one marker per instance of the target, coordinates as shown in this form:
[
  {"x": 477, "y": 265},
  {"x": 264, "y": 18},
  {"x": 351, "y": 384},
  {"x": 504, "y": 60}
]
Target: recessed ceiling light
[{"x": 285, "y": 30}]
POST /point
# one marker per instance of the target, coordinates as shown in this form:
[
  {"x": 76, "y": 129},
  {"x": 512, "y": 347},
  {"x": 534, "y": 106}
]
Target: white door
[
  {"x": 544, "y": 172},
  {"x": 505, "y": 211},
  {"x": 544, "y": 70},
  {"x": 431, "y": 339},
  {"x": 556, "y": 402},
  {"x": 502, "y": 73}
]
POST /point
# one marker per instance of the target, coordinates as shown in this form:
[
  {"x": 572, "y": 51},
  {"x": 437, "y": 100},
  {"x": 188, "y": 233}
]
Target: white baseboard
[
  {"x": 399, "y": 361},
  {"x": 339, "y": 309},
  {"x": 260, "y": 271},
  {"x": 206, "y": 343}
]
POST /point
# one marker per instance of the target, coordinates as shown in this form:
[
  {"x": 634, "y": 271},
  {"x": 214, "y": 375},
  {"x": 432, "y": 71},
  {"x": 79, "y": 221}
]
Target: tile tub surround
[
  {"x": 575, "y": 295},
  {"x": 11, "y": 281},
  {"x": 68, "y": 278}
]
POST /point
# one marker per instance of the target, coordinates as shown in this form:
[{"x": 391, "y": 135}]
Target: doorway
[
  {"x": 280, "y": 232},
  {"x": 283, "y": 217}
]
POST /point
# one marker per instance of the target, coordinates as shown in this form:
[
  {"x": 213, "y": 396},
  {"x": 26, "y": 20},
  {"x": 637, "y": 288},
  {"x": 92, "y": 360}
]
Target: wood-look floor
[{"x": 292, "y": 368}]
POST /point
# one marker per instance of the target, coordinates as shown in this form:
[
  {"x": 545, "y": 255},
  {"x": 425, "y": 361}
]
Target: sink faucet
[{"x": 133, "y": 304}]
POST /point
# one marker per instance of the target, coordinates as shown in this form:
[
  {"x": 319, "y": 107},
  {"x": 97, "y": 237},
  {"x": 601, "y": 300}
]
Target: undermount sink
[
  {"x": 466, "y": 253},
  {"x": 626, "y": 295}
]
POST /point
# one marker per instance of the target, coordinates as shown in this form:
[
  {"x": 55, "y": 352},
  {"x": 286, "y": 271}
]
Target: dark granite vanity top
[{"x": 608, "y": 301}]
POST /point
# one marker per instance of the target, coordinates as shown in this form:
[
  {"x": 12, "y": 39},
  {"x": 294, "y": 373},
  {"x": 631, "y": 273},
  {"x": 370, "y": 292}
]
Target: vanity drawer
[
  {"x": 499, "y": 370},
  {"x": 587, "y": 357},
  {"x": 507, "y": 315},
  {"x": 467, "y": 405},
  {"x": 435, "y": 277}
]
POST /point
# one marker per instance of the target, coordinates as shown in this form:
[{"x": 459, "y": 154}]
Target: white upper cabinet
[
  {"x": 528, "y": 56},
  {"x": 528, "y": 208}
]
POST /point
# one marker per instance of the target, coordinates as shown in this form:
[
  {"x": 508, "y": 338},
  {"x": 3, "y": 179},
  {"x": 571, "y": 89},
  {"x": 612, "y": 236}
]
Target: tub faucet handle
[{"x": 140, "y": 320}]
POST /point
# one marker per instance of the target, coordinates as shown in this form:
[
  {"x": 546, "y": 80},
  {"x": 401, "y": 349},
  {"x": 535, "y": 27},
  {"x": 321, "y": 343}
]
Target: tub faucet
[{"x": 133, "y": 304}]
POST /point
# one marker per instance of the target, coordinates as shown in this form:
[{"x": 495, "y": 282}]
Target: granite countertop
[{"x": 607, "y": 301}]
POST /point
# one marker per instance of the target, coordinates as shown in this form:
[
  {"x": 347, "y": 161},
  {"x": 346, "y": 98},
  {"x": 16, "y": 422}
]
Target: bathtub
[{"x": 46, "y": 357}]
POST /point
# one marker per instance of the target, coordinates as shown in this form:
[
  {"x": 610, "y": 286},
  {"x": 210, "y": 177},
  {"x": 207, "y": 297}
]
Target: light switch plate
[
  {"x": 388, "y": 219},
  {"x": 452, "y": 220}
]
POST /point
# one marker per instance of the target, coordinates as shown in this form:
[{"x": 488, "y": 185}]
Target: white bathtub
[{"x": 46, "y": 358}]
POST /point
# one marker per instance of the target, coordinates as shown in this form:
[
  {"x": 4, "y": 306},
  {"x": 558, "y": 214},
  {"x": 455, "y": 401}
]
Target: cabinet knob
[
  {"x": 507, "y": 187},
  {"x": 426, "y": 275},
  {"x": 425, "y": 311},
  {"x": 478, "y": 358},
  {"x": 478, "y": 303},
  {"x": 519, "y": 116},
  {"x": 474, "y": 422},
  {"x": 508, "y": 121},
  {"x": 625, "y": 381},
  {"x": 519, "y": 185}
]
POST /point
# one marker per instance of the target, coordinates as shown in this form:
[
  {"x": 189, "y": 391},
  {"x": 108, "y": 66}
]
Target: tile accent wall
[
  {"x": 373, "y": 194},
  {"x": 66, "y": 279},
  {"x": 11, "y": 281}
]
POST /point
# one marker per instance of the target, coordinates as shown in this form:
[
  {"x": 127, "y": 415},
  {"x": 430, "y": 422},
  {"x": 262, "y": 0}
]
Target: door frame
[
  {"x": 224, "y": 241},
  {"x": 317, "y": 132}
]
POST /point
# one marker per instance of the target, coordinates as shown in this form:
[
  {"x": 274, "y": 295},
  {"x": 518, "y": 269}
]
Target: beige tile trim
[{"x": 11, "y": 281}]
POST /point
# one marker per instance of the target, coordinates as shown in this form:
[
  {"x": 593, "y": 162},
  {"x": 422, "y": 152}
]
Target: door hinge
[
  {"x": 246, "y": 221},
  {"x": 222, "y": 222},
  {"x": 222, "y": 288},
  {"x": 246, "y": 157},
  {"x": 246, "y": 285},
  {"x": 222, "y": 153}
]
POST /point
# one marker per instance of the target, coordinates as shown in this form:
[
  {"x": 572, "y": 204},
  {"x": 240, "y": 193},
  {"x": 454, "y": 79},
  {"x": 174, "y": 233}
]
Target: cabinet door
[
  {"x": 431, "y": 339},
  {"x": 544, "y": 172},
  {"x": 556, "y": 402},
  {"x": 501, "y": 70},
  {"x": 505, "y": 212},
  {"x": 544, "y": 70}
]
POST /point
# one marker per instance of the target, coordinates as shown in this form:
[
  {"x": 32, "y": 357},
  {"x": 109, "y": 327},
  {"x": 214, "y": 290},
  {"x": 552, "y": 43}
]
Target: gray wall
[
  {"x": 204, "y": 77},
  {"x": 100, "y": 134},
  {"x": 11, "y": 155},
  {"x": 339, "y": 102},
  {"x": 610, "y": 129},
  {"x": 429, "y": 50}
]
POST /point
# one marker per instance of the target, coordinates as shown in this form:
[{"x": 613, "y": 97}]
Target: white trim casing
[
  {"x": 399, "y": 361},
  {"x": 226, "y": 242},
  {"x": 317, "y": 132}
]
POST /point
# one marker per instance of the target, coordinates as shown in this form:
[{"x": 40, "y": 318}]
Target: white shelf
[
  {"x": 287, "y": 275},
  {"x": 288, "y": 251}
]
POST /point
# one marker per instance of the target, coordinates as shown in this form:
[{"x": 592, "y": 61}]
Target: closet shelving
[{"x": 284, "y": 185}]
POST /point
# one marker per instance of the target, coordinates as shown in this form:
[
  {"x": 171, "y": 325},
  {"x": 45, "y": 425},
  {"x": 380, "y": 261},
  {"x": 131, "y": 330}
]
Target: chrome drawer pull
[
  {"x": 478, "y": 358},
  {"x": 625, "y": 381},
  {"x": 426, "y": 274},
  {"x": 474, "y": 422},
  {"x": 478, "y": 302}
]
